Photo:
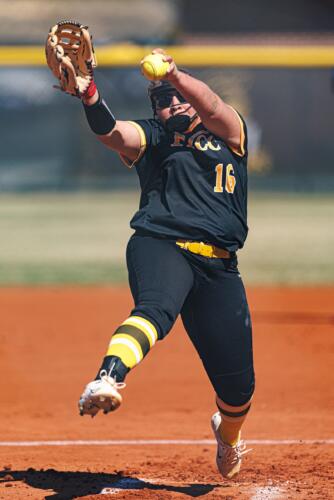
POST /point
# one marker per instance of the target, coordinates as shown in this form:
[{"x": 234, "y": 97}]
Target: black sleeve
[{"x": 150, "y": 134}]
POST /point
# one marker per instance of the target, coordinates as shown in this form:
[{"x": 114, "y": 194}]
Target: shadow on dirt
[{"x": 69, "y": 485}]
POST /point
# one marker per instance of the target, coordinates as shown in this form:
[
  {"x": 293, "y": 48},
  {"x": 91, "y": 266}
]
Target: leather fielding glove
[{"x": 70, "y": 56}]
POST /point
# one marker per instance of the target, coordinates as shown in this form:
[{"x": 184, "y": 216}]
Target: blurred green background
[{"x": 81, "y": 238}]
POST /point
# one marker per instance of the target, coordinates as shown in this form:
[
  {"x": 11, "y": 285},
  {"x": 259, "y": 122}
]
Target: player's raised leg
[
  {"x": 160, "y": 279},
  {"x": 130, "y": 343}
]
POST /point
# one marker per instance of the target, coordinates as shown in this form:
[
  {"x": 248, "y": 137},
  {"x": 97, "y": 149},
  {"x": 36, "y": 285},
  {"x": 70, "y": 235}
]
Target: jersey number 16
[{"x": 229, "y": 179}]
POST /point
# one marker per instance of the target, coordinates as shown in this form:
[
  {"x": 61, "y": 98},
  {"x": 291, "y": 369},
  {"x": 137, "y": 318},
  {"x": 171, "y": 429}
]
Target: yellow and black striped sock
[
  {"x": 232, "y": 419},
  {"x": 130, "y": 343}
]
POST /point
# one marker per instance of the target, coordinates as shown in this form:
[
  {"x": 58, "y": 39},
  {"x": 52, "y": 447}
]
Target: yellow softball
[{"x": 153, "y": 67}]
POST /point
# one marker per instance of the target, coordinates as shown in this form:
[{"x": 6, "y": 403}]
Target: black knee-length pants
[{"x": 166, "y": 281}]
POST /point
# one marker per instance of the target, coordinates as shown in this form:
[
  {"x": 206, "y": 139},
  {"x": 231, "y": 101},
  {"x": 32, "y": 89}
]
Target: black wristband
[{"x": 99, "y": 117}]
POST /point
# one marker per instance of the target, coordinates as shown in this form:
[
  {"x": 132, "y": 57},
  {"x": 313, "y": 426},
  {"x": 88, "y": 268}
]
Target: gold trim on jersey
[
  {"x": 239, "y": 151},
  {"x": 129, "y": 163}
]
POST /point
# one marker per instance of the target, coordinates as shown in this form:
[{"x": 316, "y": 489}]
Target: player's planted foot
[
  {"x": 101, "y": 394},
  {"x": 228, "y": 457}
]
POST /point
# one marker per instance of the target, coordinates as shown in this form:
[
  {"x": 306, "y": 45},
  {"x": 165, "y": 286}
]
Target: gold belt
[{"x": 204, "y": 249}]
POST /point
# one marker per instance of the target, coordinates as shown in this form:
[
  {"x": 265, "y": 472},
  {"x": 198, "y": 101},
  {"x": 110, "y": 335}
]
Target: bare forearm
[
  {"x": 206, "y": 102},
  {"x": 215, "y": 114},
  {"x": 118, "y": 135}
]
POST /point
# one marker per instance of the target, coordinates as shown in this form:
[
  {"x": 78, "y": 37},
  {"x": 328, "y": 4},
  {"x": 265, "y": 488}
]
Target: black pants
[{"x": 166, "y": 280}]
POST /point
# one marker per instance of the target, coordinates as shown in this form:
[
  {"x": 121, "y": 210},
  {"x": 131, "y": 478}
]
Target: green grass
[
  {"x": 63, "y": 273},
  {"x": 81, "y": 238},
  {"x": 290, "y": 241},
  {"x": 68, "y": 238}
]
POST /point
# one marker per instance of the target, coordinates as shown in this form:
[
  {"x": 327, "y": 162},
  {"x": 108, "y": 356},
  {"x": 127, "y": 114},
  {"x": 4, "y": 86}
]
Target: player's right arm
[{"x": 124, "y": 137}]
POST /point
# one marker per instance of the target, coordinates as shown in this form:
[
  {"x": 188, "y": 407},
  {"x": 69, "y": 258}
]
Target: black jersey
[{"x": 193, "y": 186}]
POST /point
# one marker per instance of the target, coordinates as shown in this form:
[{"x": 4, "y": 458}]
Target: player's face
[{"x": 172, "y": 105}]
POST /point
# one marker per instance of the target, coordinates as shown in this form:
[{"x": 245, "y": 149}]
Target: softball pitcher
[{"x": 191, "y": 159}]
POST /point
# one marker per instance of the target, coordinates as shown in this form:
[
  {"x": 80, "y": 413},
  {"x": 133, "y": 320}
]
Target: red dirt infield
[{"x": 51, "y": 344}]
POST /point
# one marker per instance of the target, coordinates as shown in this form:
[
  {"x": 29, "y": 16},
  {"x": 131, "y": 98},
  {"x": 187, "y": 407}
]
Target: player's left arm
[{"x": 216, "y": 115}]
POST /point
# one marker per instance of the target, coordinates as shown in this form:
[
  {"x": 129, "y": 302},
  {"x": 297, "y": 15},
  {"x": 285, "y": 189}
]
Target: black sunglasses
[{"x": 164, "y": 100}]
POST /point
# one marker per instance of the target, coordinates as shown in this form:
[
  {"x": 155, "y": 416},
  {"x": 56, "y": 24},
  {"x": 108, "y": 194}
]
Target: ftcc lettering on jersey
[{"x": 201, "y": 140}]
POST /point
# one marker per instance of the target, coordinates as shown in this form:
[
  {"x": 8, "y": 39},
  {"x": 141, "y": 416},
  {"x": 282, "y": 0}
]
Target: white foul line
[{"x": 148, "y": 442}]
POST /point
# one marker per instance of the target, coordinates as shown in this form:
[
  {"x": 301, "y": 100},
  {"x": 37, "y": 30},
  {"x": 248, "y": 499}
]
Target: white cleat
[
  {"x": 102, "y": 395},
  {"x": 228, "y": 457}
]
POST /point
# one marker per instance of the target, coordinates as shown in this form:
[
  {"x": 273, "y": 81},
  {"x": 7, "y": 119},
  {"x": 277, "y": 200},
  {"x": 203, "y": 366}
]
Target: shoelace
[
  {"x": 110, "y": 380},
  {"x": 234, "y": 453}
]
